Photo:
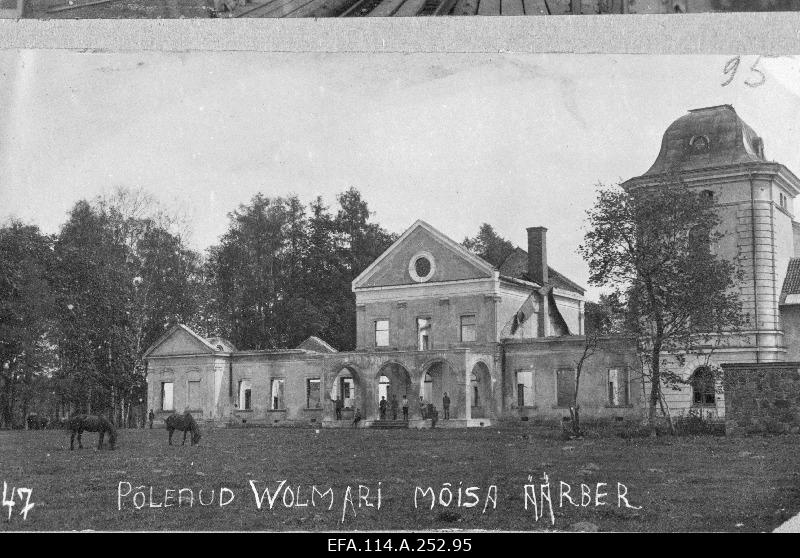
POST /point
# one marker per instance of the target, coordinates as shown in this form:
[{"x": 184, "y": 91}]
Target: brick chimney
[{"x": 537, "y": 255}]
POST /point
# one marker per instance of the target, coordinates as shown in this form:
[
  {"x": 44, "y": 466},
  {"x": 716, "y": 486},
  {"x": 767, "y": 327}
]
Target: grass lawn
[{"x": 682, "y": 484}]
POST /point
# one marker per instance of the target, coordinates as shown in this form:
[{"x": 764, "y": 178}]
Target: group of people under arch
[{"x": 396, "y": 393}]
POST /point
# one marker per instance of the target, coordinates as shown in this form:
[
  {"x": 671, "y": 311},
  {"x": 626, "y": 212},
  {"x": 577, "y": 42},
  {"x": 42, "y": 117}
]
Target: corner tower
[{"x": 713, "y": 150}]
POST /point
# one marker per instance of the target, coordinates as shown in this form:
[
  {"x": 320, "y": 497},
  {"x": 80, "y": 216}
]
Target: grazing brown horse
[
  {"x": 184, "y": 422},
  {"x": 91, "y": 423}
]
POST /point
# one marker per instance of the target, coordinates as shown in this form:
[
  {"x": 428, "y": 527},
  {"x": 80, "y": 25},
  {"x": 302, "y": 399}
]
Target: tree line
[{"x": 79, "y": 308}]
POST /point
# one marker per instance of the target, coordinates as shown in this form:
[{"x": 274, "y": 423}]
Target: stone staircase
[{"x": 389, "y": 424}]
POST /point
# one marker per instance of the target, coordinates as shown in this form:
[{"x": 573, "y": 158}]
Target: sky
[{"x": 514, "y": 140}]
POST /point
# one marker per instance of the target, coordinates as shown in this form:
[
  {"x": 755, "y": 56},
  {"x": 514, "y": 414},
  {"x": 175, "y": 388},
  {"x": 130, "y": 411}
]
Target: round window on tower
[
  {"x": 421, "y": 267},
  {"x": 699, "y": 143}
]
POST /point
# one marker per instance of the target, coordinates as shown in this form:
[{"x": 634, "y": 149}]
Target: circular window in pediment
[{"x": 421, "y": 267}]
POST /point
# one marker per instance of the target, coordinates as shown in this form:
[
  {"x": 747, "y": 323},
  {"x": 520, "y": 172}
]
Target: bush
[{"x": 694, "y": 423}]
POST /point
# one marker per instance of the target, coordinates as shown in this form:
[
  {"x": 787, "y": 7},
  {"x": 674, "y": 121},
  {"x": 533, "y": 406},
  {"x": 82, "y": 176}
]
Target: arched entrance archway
[
  {"x": 480, "y": 391},
  {"x": 394, "y": 382},
  {"x": 346, "y": 392},
  {"x": 437, "y": 379}
]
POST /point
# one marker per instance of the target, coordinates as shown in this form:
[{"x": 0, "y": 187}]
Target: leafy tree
[
  {"x": 122, "y": 280},
  {"x": 247, "y": 273},
  {"x": 360, "y": 242},
  {"x": 598, "y": 321},
  {"x": 652, "y": 248},
  {"x": 280, "y": 275},
  {"x": 26, "y": 298},
  {"x": 489, "y": 245}
]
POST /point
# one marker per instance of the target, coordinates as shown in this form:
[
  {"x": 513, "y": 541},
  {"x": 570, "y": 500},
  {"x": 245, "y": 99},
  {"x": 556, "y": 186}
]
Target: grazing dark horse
[
  {"x": 184, "y": 422},
  {"x": 91, "y": 423}
]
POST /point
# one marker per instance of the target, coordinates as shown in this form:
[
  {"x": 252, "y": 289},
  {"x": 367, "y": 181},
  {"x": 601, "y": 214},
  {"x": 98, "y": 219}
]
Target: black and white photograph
[
  {"x": 177, "y": 9},
  {"x": 416, "y": 292}
]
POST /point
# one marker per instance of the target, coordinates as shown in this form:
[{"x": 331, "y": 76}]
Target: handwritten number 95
[{"x": 756, "y": 78}]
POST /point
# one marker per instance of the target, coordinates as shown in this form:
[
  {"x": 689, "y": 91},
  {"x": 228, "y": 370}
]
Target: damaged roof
[
  {"x": 707, "y": 137},
  {"x": 516, "y": 267},
  {"x": 791, "y": 283},
  {"x": 316, "y": 345},
  {"x": 222, "y": 344}
]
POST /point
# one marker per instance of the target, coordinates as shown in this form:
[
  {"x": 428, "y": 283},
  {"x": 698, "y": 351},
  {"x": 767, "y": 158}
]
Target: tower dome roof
[{"x": 707, "y": 137}]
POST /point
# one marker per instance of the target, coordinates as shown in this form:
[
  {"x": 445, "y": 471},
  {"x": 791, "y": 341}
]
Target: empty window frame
[
  {"x": 344, "y": 387},
  {"x": 475, "y": 388},
  {"x": 276, "y": 395},
  {"x": 468, "y": 331},
  {"x": 167, "y": 400},
  {"x": 383, "y": 387},
  {"x": 618, "y": 387},
  {"x": 525, "y": 392},
  {"x": 424, "y": 328},
  {"x": 427, "y": 388},
  {"x": 703, "y": 387},
  {"x": 245, "y": 395},
  {"x": 381, "y": 333},
  {"x": 565, "y": 387},
  {"x": 313, "y": 390}
]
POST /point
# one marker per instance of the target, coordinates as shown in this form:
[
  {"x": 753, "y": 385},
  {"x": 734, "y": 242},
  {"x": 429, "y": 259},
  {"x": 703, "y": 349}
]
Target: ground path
[{"x": 701, "y": 483}]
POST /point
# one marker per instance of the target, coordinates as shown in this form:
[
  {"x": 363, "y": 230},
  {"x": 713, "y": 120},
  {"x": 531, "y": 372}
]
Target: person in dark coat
[
  {"x": 337, "y": 405},
  {"x": 446, "y": 406},
  {"x": 356, "y": 418},
  {"x": 150, "y": 418},
  {"x": 382, "y": 405},
  {"x": 394, "y": 407},
  {"x": 405, "y": 408}
]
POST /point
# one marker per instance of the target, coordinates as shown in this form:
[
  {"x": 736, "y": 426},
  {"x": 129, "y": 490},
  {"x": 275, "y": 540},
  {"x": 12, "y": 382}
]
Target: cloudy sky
[{"x": 454, "y": 139}]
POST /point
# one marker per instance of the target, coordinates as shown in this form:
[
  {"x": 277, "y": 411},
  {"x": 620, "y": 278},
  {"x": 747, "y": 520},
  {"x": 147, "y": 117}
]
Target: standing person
[
  {"x": 446, "y": 406},
  {"x": 337, "y": 405},
  {"x": 394, "y": 407},
  {"x": 356, "y": 418},
  {"x": 150, "y": 418},
  {"x": 405, "y": 408},
  {"x": 382, "y": 405},
  {"x": 422, "y": 407}
]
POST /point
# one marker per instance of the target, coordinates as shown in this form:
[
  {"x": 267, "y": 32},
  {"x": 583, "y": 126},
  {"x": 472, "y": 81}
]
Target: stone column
[
  {"x": 467, "y": 395},
  {"x": 326, "y": 385},
  {"x": 416, "y": 406}
]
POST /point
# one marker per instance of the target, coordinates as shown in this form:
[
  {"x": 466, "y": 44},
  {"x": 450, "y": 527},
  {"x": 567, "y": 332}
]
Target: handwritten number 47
[
  {"x": 756, "y": 77},
  {"x": 24, "y": 496}
]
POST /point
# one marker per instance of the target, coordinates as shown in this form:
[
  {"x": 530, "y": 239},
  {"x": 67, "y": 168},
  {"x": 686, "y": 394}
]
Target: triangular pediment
[
  {"x": 180, "y": 340},
  {"x": 450, "y": 260}
]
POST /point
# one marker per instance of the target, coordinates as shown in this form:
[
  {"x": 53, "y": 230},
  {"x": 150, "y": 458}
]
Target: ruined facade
[{"x": 432, "y": 319}]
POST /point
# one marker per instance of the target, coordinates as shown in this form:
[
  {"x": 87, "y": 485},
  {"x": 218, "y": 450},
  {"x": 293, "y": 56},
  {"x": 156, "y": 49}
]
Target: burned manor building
[
  {"x": 503, "y": 343},
  {"x": 431, "y": 319}
]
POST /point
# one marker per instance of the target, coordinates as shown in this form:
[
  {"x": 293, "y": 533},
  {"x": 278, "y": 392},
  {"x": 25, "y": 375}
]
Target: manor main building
[
  {"x": 432, "y": 318},
  {"x": 503, "y": 342}
]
